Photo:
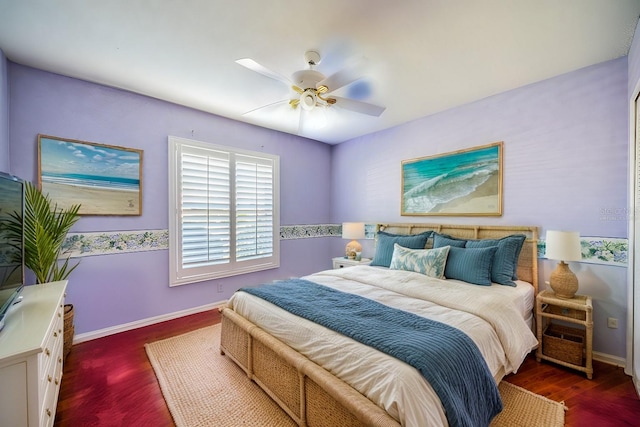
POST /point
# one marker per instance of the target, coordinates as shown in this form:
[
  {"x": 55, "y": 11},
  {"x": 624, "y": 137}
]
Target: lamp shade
[
  {"x": 563, "y": 246},
  {"x": 353, "y": 230}
]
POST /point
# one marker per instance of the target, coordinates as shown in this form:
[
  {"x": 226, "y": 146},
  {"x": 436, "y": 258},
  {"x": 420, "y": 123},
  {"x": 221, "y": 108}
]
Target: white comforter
[{"x": 488, "y": 315}]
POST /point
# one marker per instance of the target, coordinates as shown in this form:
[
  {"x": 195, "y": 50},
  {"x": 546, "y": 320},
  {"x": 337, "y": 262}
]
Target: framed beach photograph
[
  {"x": 103, "y": 179},
  {"x": 462, "y": 183}
]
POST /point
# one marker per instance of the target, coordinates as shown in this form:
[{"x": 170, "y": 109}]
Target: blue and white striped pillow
[
  {"x": 505, "y": 261},
  {"x": 471, "y": 265}
]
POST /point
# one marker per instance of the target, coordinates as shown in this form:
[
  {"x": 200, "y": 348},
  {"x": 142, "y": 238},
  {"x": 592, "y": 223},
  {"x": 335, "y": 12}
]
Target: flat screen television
[{"x": 11, "y": 241}]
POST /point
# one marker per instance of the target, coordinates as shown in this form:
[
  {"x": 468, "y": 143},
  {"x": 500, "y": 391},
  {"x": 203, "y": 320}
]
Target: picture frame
[
  {"x": 103, "y": 179},
  {"x": 466, "y": 182}
]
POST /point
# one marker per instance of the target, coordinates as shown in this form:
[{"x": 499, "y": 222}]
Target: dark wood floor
[{"x": 109, "y": 382}]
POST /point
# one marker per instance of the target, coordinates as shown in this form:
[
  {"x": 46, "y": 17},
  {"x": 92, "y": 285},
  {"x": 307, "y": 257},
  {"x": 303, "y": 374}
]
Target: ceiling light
[{"x": 308, "y": 100}]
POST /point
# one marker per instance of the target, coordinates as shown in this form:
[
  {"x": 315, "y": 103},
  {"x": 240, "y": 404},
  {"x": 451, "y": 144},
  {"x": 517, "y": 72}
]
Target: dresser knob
[
  {"x": 48, "y": 412},
  {"x": 49, "y": 378},
  {"x": 59, "y": 359},
  {"x": 59, "y": 315},
  {"x": 57, "y": 381},
  {"x": 55, "y": 334},
  {"x": 47, "y": 352}
]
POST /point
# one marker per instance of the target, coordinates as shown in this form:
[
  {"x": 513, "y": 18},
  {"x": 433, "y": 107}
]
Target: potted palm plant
[{"x": 45, "y": 229}]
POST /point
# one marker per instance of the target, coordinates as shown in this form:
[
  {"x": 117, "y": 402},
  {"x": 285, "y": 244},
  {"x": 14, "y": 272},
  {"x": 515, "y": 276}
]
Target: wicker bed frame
[{"x": 308, "y": 393}]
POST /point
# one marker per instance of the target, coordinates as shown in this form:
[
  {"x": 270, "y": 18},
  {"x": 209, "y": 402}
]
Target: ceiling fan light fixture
[{"x": 308, "y": 100}]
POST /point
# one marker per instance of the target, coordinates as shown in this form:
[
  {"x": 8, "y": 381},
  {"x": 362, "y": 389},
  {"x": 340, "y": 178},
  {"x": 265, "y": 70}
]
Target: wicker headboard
[{"x": 527, "y": 263}]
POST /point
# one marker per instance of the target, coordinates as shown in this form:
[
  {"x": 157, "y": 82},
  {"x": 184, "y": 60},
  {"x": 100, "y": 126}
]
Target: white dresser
[{"x": 31, "y": 357}]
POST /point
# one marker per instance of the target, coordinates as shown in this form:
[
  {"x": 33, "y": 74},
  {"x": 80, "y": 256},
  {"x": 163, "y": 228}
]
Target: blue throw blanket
[{"x": 444, "y": 355}]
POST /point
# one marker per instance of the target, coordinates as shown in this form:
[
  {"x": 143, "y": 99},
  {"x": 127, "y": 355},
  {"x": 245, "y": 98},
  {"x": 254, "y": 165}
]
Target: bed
[{"x": 323, "y": 378}]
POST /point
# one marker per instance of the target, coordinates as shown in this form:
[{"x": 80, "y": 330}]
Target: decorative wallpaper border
[
  {"x": 599, "y": 250},
  {"x": 595, "y": 250},
  {"x": 289, "y": 232},
  {"x": 116, "y": 242}
]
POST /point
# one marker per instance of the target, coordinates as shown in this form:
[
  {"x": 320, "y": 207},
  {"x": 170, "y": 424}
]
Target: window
[{"x": 224, "y": 211}]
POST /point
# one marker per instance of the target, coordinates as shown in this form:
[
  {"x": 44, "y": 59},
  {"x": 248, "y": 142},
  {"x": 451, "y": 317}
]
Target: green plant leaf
[{"x": 45, "y": 229}]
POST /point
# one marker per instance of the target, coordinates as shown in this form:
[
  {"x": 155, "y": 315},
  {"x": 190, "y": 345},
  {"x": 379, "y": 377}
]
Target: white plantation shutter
[
  {"x": 205, "y": 206},
  {"x": 224, "y": 214},
  {"x": 254, "y": 207}
]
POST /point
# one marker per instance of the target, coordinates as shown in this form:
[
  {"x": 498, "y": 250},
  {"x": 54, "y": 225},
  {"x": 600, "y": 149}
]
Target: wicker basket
[
  {"x": 69, "y": 329},
  {"x": 564, "y": 343}
]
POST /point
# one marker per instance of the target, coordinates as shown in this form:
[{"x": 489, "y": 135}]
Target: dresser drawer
[
  {"x": 54, "y": 336},
  {"x": 50, "y": 395},
  {"x": 51, "y": 374},
  {"x": 50, "y": 359}
]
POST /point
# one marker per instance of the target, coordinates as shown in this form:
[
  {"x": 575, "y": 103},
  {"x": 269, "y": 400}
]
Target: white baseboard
[
  {"x": 611, "y": 360},
  {"x": 88, "y": 336}
]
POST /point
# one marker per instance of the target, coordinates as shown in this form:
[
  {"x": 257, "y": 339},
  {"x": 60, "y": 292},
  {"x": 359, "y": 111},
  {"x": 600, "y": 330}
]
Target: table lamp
[
  {"x": 353, "y": 231},
  {"x": 563, "y": 246}
]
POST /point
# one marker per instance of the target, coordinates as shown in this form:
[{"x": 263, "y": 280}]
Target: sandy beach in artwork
[
  {"x": 94, "y": 200},
  {"x": 482, "y": 201}
]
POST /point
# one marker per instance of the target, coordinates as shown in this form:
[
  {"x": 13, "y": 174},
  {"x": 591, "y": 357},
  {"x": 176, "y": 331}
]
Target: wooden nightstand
[
  {"x": 342, "y": 262},
  {"x": 561, "y": 344}
]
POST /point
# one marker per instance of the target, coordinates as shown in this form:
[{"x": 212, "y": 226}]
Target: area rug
[{"x": 204, "y": 388}]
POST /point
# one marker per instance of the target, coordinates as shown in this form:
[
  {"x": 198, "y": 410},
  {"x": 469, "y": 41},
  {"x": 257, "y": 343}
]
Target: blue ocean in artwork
[
  {"x": 94, "y": 181},
  {"x": 95, "y": 166},
  {"x": 435, "y": 181}
]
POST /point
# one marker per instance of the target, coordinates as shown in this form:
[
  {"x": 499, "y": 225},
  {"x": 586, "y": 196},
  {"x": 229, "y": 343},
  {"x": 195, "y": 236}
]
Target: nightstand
[
  {"x": 568, "y": 346},
  {"x": 342, "y": 262}
]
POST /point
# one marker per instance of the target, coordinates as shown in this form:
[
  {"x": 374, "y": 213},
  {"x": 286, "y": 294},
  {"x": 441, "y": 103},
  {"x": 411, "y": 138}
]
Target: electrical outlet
[
  {"x": 612, "y": 322},
  {"x": 219, "y": 287}
]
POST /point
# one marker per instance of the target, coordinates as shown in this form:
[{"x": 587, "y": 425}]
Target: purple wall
[
  {"x": 111, "y": 290},
  {"x": 565, "y": 167},
  {"x": 634, "y": 283},
  {"x": 634, "y": 63},
  {"x": 4, "y": 115},
  {"x": 565, "y": 154}
]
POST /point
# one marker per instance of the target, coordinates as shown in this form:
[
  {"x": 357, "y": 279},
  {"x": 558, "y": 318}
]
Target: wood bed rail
[{"x": 307, "y": 392}]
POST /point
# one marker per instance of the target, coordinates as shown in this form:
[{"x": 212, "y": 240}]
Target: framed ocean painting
[
  {"x": 103, "y": 179},
  {"x": 463, "y": 183}
]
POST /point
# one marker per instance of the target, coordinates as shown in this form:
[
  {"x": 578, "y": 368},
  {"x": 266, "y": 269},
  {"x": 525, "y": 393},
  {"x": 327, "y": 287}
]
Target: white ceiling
[{"x": 423, "y": 56}]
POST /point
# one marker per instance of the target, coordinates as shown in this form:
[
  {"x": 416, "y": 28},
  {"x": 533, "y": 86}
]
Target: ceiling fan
[{"x": 312, "y": 89}]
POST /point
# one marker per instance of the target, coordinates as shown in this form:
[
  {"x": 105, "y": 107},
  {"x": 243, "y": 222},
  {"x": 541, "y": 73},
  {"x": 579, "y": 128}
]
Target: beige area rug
[{"x": 203, "y": 388}]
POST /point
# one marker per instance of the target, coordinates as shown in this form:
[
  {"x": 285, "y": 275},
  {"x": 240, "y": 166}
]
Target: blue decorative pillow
[
  {"x": 441, "y": 240},
  {"x": 384, "y": 247},
  {"x": 430, "y": 262},
  {"x": 472, "y": 265},
  {"x": 505, "y": 261}
]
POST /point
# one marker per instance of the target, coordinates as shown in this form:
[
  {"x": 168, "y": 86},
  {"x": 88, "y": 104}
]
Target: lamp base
[
  {"x": 351, "y": 249},
  {"x": 563, "y": 281}
]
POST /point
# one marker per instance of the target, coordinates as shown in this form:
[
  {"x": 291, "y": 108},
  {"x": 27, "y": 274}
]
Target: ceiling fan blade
[
  {"x": 358, "y": 106},
  {"x": 342, "y": 78},
  {"x": 266, "y": 106},
  {"x": 254, "y": 66}
]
